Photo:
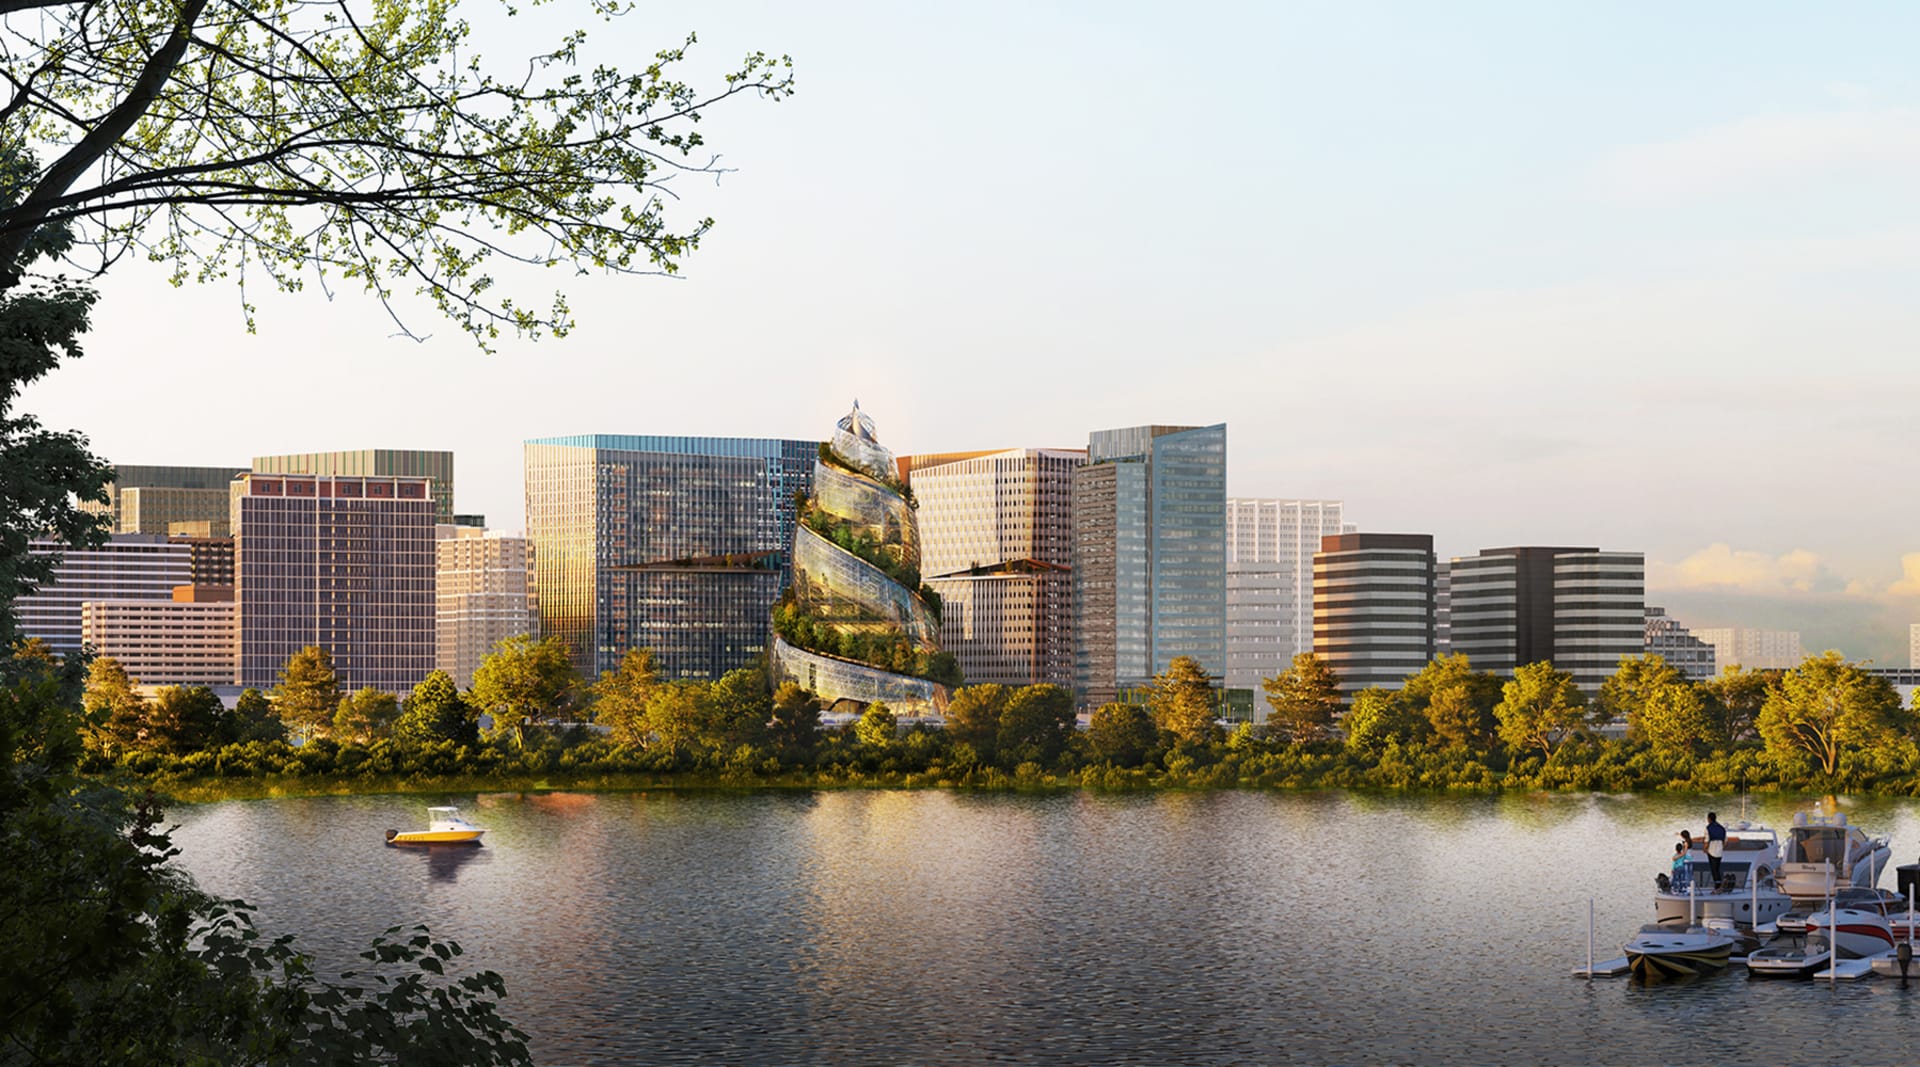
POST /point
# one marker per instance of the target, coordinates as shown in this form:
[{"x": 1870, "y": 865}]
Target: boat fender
[
  {"x": 1904, "y": 953},
  {"x": 391, "y": 834}
]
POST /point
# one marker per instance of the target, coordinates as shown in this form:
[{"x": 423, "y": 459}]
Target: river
[{"x": 937, "y": 927}]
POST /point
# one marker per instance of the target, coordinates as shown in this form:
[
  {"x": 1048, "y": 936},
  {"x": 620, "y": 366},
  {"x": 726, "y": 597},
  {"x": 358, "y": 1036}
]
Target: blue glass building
[
  {"x": 1150, "y": 556},
  {"x": 677, "y": 544}
]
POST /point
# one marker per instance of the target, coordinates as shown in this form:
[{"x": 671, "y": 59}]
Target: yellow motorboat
[{"x": 444, "y": 827}]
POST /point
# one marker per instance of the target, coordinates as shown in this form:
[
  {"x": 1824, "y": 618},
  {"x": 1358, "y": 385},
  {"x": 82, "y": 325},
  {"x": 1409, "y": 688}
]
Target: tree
[
  {"x": 308, "y": 694},
  {"x": 253, "y": 719},
  {"x": 520, "y": 679},
  {"x": 675, "y": 715},
  {"x": 366, "y": 716},
  {"x": 1121, "y": 734},
  {"x": 434, "y": 711},
  {"x": 1737, "y": 697},
  {"x": 620, "y": 697},
  {"x": 185, "y": 719},
  {"x": 796, "y": 720},
  {"x": 737, "y": 707},
  {"x": 1540, "y": 708},
  {"x": 973, "y": 717},
  {"x": 877, "y": 728},
  {"x": 1626, "y": 689},
  {"x": 117, "y": 716},
  {"x": 1305, "y": 698},
  {"x": 1827, "y": 709},
  {"x": 1456, "y": 700},
  {"x": 1677, "y": 720},
  {"x": 1182, "y": 701},
  {"x": 1377, "y": 718},
  {"x": 1035, "y": 726}
]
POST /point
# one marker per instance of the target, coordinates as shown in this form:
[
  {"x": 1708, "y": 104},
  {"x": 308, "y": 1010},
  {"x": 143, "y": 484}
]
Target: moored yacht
[
  {"x": 1854, "y": 927},
  {"x": 1660, "y": 952},
  {"x": 1824, "y": 854},
  {"x": 1746, "y": 894}
]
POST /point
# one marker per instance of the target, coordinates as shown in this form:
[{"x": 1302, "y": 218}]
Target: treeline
[{"x": 1827, "y": 725}]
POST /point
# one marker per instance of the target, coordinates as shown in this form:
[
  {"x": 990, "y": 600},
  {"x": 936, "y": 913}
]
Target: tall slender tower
[{"x": 856, "y": 625}]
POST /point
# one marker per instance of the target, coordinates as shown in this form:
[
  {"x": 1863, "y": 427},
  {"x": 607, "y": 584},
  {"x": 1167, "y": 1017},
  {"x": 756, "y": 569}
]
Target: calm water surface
[{"x": 930, "y": 927}]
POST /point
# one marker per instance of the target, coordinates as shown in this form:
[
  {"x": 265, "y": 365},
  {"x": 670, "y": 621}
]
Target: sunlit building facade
[
  {"x": 483, "y": 594},
  {"x": 153, "y": 500},
  {"x": 675, "y": 544},
  {"x": 1580, "y": 608},
  {"x": 1373, "y": 607},
  {"x": 374, "y": 462},
  {"x": 1754, "y": 649},
  {"x": 191, "y": 639},
  {"x": 1669, "y": 638},
  {"x": 345, "y": 563},
  {"x": 996, "y": 538},
  {"x": 129, "y": 567},
  {"x": 1149, "y": 556}
]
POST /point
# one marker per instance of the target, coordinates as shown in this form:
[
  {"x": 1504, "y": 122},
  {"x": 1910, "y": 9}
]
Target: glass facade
[
  {"x": 676, "y": 544},
  {"x": 147, "y": 499},
  {"x": 343, "y": 563},
  {"x": 1150, "y": 573},
  {"x": 365, "y": 462},
  {"x": 859, "y": 624}
]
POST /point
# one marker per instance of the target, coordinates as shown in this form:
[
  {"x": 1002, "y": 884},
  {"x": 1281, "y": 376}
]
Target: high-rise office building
[
  {"x": 1149, "y": 556},
  {"x": 373, "y": 462},
  {"x": 141, "y": 567},
  {"x": 1913, "y": 645},
  {"x": 191, "y": 639},
  {"x": 1754, "y": 649},
  {"x": 996, "y": 545},
  {"x": 212, "y": 557},
  {"x": 1373, "y": 608},
  {"x": 345, "y": 563},
  {"x": 1581, "y": 609},
  {"x": 1669, "y": 638},
  {"x": 855, "y": 627},
  {"x": 483, "y": 594},
  {"x": 148, "y": 499},
  {"x": 676, "y": 544},
  {"x": 1270, "y": 549}
]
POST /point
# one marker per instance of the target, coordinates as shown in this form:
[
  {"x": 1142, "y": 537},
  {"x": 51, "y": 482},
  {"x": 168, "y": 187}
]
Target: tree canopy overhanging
[{"x": 344, "y": 142}]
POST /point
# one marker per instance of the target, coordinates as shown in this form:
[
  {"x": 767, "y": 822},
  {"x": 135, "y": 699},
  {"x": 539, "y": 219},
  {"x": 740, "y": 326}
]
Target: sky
[{"x": 1630, "y": 275}]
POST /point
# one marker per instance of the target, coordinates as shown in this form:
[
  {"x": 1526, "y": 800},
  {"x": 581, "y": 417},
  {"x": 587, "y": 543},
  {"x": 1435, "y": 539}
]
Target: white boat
[
  {"x": 1853, "y": 927},
  {"x": 444, "y": 827},
  {"x": 1746, "y": 895},
  {"x": 1823, "y": 855},
  {"x": 1660, "y": 952}
]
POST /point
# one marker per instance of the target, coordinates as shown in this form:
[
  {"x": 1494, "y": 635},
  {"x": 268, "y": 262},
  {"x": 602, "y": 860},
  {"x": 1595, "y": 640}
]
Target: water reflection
[{"x": 853, "y": 927}]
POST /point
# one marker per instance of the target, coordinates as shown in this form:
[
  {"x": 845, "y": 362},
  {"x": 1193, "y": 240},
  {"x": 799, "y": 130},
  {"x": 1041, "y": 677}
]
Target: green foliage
[
  {"x": 973, "y": 718},
  {"x": 365, "y": 716},
  {"x": 1541, "y": 708},
  {"x": 253, "y": 719},
  {"x": 434, "y": 711},
  {"x": 116, "y": 715},
  {"x": 1121, "y": 734},
  {"x": 524, "y": 678},
  {"x": 877, "y": 728},
  {"x": 1456, "y": 700},
  {"x": 1736, "y": 697},
  {"x": 1675, "y": 718},
  {"x": 1182, "y": 701},
  {"x": 1305, "y": 698},
  {"x": 1380, "y": 718},
  {"x": 308, "y": 695},
  {"x": 1035, "y": 726},
  {"x": 795, "y": 728},
  {"x": 620, "y": 697},
  {"x": 184, "y": 719},
  {"x": 1830, "y": 711},
  {"x": 889, "y": 651}
]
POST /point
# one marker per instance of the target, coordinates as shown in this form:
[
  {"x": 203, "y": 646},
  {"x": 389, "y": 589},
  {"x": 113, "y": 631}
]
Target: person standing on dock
[{"x": 1716, "y": 846}]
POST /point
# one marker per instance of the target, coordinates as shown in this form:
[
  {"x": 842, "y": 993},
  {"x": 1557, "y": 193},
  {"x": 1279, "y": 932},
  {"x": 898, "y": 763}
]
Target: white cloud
[
  {"x": 1738, "y": 153},
  {"x": 1909, "y": 582},
  {"x": 1722, "y": 568}
]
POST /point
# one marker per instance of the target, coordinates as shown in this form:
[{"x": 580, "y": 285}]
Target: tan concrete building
[
  {"x": 1754, "y": 649},
  {"x": 483, "y": 594},
  {"x": 193, "y": 639},
  {"x": 996, "y": 543}
]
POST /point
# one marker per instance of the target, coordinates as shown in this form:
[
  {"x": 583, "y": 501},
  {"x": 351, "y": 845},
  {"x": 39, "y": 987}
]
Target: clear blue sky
[{"x": 1632, "y": 275}]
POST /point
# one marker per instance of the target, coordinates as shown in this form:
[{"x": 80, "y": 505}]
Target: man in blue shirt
[{"x": 1716, "y": 845}]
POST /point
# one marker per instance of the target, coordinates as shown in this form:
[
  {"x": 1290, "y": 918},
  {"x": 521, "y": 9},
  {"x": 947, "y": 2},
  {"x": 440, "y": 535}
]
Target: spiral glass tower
[{"x": 856, "y": 624}]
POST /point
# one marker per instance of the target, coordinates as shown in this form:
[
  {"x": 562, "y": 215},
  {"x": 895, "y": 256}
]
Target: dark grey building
[
  {"x": 344, "y": 563},
  {"x": 1150, "y": 556},
  {"x": 1579, "y": 608},
  {"x": 681, "y": 545},
  {"x": 1373, "y": 607}
]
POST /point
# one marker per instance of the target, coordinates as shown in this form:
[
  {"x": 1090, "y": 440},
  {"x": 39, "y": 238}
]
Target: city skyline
[{"x": 1541, "y": 299}]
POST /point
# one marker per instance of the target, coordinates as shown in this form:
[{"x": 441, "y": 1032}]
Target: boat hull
[
  {"x": 1667, "y": 966},
  {"x": 1779, "y": 963},
  {"x": 1736, "y": 907},
  {"x": 435, "y": 837}
]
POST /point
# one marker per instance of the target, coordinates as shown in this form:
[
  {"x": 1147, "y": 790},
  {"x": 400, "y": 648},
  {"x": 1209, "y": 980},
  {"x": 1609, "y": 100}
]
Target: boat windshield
[{"x": 1820, "y": 844}]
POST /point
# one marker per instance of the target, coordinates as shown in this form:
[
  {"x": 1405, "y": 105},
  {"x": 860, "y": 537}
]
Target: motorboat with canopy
[
  {"x": 1824, "y": 854},
  {"x": 1746, "y": 894}
]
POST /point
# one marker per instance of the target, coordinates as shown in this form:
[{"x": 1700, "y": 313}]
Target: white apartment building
[
  {"x": 183, "y": 641},
  {"x": 1754, "y": 649},
  {"x": 143, "y": 567},
  {"x": 1270, "y": 548},
  {"x": 483, "y": 594},
  {"x": 1913, "y": 645},
  {"x": 996, "y": 544}
]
